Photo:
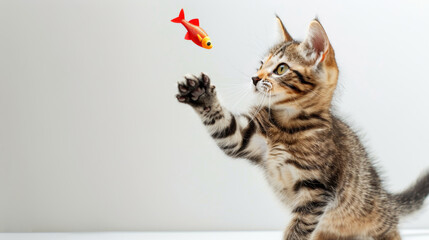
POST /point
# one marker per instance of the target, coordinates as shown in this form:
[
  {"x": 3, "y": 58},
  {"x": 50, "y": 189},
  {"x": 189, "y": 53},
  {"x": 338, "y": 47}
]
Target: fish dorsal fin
[
  {"x": 195, "y": 21},
  {"x": 187, "y": 37},
  {"x": 199, "y": 37}
]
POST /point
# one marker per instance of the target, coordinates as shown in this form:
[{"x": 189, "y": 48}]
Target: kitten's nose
[{"x": 255, "y": 80}]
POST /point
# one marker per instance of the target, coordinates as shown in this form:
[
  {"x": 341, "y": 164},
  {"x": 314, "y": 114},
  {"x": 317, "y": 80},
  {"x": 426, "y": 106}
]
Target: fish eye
[
  {"x": 209, "y": 43},
  {"x": 281, "y": 68}
]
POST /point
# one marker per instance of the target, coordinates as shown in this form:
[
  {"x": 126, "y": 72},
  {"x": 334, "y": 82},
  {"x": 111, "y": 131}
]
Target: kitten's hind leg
[
  {"x": 330, "y": 236},
  {"x": 391, "y": 235}
]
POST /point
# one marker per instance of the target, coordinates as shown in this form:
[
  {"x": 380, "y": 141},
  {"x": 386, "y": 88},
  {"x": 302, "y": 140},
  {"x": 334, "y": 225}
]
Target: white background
[{"x": 92, "y": 137}]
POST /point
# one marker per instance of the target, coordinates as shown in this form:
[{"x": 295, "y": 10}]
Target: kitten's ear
[
  {"x": 316, "y": 45},
  {"x": 285, "y": 34}
]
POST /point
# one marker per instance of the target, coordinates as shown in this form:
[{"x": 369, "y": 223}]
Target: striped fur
[{"x": 314, "y": 162}]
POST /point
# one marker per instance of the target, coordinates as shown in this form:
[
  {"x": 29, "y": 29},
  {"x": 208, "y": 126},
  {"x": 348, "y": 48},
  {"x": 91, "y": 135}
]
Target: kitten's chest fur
[{"x": 280, "y": 174}]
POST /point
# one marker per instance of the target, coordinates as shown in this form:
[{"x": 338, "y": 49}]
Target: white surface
[
  {"x": 262, "y": 235},
  {"x": 93, "y": 139}
]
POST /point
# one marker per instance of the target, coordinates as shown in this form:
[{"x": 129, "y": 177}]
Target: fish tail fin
[{"x": 180, "y": 17}]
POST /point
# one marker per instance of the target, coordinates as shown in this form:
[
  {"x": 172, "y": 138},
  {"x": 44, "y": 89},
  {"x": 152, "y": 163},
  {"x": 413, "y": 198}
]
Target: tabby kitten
[{"x": 314, "y": 162}]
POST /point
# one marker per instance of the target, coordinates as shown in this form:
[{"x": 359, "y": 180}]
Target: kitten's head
[{"x": 299, "y": 75}]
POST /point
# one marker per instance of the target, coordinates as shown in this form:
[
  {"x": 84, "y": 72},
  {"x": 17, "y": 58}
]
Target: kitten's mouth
[{"x": 263, "y": 86}]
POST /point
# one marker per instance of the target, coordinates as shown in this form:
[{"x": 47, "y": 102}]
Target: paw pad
[{"x": 196, "y": 91}]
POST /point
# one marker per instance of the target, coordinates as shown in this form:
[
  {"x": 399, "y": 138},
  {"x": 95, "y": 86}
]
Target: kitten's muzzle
[{"x": 255, "y": 80}]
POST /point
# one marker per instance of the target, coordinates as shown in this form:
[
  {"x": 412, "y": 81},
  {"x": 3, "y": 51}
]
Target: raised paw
[{"x": 196, "y": 91}]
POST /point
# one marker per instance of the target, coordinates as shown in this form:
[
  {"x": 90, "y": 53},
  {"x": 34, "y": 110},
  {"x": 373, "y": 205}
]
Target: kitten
[{"x": 314, "y": 162}]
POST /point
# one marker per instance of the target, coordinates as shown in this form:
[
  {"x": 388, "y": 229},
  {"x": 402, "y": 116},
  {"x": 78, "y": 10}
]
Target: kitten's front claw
[{"x": 196, "y": 91}]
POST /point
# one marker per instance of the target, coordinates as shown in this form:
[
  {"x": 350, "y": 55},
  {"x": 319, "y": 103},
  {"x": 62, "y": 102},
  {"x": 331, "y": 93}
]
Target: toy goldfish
[{"x": 195, "y": 33}]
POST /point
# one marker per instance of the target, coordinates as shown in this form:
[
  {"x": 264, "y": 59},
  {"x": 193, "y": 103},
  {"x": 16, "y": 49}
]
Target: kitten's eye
[{"x": 281, "y": 68}]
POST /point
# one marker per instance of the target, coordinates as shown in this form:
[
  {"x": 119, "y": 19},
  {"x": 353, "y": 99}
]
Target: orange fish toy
[{"x": 195, "y": 33}]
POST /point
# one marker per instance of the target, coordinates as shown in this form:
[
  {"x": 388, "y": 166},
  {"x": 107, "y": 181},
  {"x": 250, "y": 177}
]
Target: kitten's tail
[{"x": 413, "y": 197}]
